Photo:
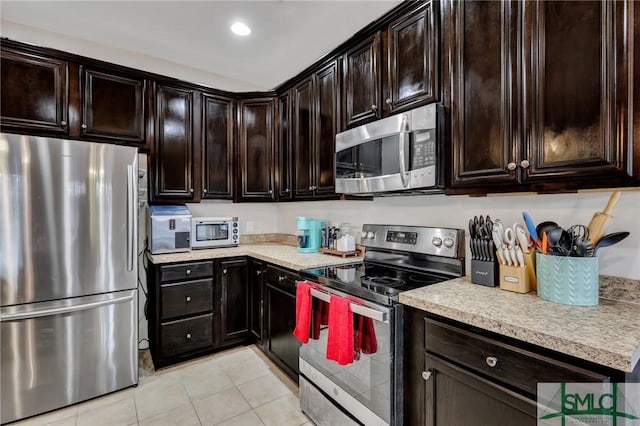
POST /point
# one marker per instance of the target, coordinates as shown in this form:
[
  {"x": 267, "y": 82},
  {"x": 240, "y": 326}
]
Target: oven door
[{"x": 364, "y": 388}]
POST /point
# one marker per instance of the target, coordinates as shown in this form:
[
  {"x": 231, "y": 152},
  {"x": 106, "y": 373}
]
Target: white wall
[
  {"x": 621, "y": 260},
  {"x": 102, "y": 52},
  {"x": 255, "y": 218}
]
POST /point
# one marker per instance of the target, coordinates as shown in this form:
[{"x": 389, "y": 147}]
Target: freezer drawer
[{"x": 58, "y": 353}]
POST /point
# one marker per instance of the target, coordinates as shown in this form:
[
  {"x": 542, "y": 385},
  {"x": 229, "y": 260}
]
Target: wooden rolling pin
[{"x": 600, "y": 219}]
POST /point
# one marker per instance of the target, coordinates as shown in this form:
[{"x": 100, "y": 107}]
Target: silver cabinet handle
[
  {"x": 84, "y": 126},
  {"x": 492, "y": 361},
  {"x": 280, "y": 278},
  {"x": 426, "y": 374},
  {"x": 524, "y": 164},
  {"x": 287, "y": 190},
  {"x": 511, "y": 166},
  {"x": 374, "y": 108},
  {"x": 191, "y": 190},
  {"x": 63, "y": 123},
  {"x": 388, "y": 101},
  {"x": 271, "y": 191},
  {"x": 188, "y": 298},
  {"x": 204, "y": 190},
  {"x": 188, "y": 336},
  {"x": 258, "y": 272},
  {"x": 224, "y": 271},
  {"x": 188, "y": 272}
]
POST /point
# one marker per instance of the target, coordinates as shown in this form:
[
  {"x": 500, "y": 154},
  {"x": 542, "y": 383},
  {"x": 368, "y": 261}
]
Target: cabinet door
[
  {"x": 327, "y": 102},
  {"x": 285, "y": 155},
  {"x": 577, "y": 98},
  {"x": 281, "y": 321},
  {"x": 303, "y": 125},
  {"x": 234, "y": 308},
  {"x": 482, "y": 41},
  {"x": 173, "y": 159},
  {"x": 34, "y": 93},
  {"x": 113, "y": 106},
  {"x": 412, "y": 71},
  {"x": 362, "y": 82},
  {"x": 256, "y": 149},
  {"x": 217, "y": 147},
  {"x": 457, "y": 397},
  {"x": 256, "y": 309}
]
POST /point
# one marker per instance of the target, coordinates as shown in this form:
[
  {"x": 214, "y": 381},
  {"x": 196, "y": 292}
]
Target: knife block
[
  {"x": 515, "y": 278},
  {"x": 484, "y": 272}
]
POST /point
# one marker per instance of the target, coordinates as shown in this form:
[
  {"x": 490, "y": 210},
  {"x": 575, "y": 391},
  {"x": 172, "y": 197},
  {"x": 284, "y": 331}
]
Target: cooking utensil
[
  {"x": 545, "y": 227},
  {"x": 544, "y": 244},
  {"x": 498, "y": 244},
  {"x": 510, "y": 239},
  {"x": 561, "y": 240},
  {"x": 581, "y": 245},
  {"x": 609, "y": 240},
  {"x": 599, "y": 220},
  {"x": 531, "y": 227}
]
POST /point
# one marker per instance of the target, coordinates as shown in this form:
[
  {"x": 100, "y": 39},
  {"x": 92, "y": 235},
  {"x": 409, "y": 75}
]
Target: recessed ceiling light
[{"x": 240, "y": 29}]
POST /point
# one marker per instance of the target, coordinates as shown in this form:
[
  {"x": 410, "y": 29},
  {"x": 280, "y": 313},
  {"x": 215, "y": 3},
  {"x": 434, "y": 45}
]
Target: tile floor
[{"x": 240, "y": 387}]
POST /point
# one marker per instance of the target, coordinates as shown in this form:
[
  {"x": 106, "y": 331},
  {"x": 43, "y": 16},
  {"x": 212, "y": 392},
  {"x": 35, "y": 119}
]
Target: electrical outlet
[{"x": 249, "y": 227}]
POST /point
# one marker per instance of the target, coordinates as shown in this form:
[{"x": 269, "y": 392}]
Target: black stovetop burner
[{"x": 378, "y": 283}]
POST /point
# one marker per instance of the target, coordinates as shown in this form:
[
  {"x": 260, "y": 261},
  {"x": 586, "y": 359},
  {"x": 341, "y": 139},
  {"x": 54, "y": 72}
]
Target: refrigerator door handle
[
  {"x": 63, "y": 309},
  {"x": 131, "y": 225}
]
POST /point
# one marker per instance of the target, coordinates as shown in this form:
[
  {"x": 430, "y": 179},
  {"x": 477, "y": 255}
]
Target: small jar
[{"x": 346, "y": 238}]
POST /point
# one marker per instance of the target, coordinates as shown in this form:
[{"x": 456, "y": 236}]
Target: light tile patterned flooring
[{"x": 239, "y": 387}]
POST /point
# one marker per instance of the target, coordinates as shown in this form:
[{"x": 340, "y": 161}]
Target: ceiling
[{"x": 287, "y": 36}]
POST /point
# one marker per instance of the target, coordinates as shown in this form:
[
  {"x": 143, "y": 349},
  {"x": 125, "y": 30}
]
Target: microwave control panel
[{"x": 423, "y": 149}]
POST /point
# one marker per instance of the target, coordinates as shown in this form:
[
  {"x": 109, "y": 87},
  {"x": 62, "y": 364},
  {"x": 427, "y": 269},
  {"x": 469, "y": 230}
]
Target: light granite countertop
[
  {"x": 606, "y": 334},
  {"x": 279, "y": 254}
]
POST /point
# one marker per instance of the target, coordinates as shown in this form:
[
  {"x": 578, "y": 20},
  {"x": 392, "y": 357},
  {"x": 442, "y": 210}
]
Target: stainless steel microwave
[
  {"x": 210, "y": 232},
  {"x": 398, "y": 153}
]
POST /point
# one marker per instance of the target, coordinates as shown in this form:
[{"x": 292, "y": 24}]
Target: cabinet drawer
[
  {"x": 186, "y": 335},
  {"x": 513, "y": 366},
  {"x": 186, "y": 298},
  {"x": 186, "y": 271},
  {"x": 282, "y": 278}
]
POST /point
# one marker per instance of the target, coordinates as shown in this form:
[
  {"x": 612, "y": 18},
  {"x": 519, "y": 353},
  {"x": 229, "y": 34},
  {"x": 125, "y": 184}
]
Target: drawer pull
[
  {"x": 188, "y": 272},
  {"x": 188, "y": 336},
  {"x": 280, "y": 278},
  {"x": 258, "y": 272},
  {"x": 224, "y": 271},
  {"x": 426, "y": 374},
  {"x": 492, "y": 361},
  {"x": 188, "y": 298}
]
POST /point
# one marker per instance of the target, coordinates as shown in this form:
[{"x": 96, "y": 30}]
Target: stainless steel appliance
[
  {"x": 397, "y": 258},
  {"x": 398, "y": 153},
  {"x": 68, "y": 272},
  {"x": 169, "y": 229},
  {"x": 210, "y": 232}
]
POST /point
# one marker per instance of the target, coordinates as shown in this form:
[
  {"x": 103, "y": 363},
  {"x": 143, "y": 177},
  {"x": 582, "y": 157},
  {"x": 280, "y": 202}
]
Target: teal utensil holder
[{"x": 568, "y": 280}]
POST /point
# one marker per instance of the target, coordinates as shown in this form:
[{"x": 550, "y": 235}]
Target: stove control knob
[
  {"x": 436, "y": 241},
  {"x": 371, "y": 235},
  {"x": 448, "y": 242}
]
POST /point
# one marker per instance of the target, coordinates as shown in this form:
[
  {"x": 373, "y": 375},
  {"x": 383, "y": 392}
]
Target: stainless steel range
[{"x": 397, "y": 259}]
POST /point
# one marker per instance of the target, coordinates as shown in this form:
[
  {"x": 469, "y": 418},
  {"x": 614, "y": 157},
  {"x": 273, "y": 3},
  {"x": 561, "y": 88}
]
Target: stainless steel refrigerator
[{"x": 68, "y": 272}]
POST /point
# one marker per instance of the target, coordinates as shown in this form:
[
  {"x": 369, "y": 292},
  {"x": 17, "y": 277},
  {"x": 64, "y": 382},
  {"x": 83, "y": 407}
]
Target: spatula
[{"x": 600, "y": 219}]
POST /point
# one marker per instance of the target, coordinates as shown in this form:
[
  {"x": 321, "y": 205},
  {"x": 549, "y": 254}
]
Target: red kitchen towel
[
  {"x": 365, "y": 337},
  {"x": 303, "y": 311},
  {"x": 320, "y": 317},
  {"x": 340, "y": 339}
]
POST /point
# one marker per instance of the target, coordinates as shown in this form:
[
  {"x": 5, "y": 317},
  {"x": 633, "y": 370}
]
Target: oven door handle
[{"x": 356, "y": 308}]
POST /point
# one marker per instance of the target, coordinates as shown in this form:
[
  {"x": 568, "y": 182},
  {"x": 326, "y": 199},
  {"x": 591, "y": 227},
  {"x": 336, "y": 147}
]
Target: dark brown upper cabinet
[
  {"x": 540, "y": 94},
  {"x": 411, "y": 71},
  {"x": 34, "y": 93},
  {"x": 173, "y": 152},
  {"x": 256, "y": 143},
  {"x": 217, "y": 146},
  {"x": 113, "y": 106},
  {"x": 315, "y": 124},
  {"x": 394, "y": 69},
  {"x": 285, "y": 148}
]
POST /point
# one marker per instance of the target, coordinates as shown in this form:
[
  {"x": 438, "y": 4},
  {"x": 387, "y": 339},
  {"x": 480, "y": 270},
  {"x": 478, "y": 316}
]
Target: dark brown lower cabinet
[
  {"x": 455, "y": 396},
  {"x": 257, "y": 275},
  {"x": 280, "y": 312},
  {"x": 456, "y": 374},
  {"x": 234, "y": 300}
]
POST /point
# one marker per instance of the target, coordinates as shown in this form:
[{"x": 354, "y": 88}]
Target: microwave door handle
[{"x": 404, "y": 135}]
